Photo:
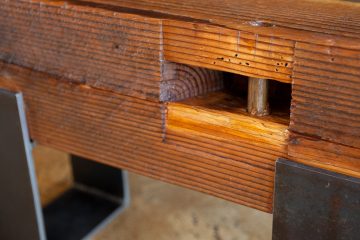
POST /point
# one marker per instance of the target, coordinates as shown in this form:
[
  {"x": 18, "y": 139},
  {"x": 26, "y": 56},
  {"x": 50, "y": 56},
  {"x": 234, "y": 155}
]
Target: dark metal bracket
[
  {"x": 312, "y": 203},
  {"x": 99, "y": 193}
]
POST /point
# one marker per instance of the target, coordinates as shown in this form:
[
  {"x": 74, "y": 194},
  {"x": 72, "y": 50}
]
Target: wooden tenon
[{"x": 140, "y": 85}]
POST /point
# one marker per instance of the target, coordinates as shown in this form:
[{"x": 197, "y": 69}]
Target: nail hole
[{"x": 116, "y": 46}]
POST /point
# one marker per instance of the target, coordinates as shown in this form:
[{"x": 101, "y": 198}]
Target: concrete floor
[{"x": 160, "y": 211}]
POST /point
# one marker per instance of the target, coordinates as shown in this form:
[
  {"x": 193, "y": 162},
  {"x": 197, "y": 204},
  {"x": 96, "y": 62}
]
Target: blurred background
[{"x": 159, "y": 211}]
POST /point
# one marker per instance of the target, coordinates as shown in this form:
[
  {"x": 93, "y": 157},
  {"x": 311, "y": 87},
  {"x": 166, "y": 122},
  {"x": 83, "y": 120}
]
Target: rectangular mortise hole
[
  {"x": 219, "y": 90},
  {"x": 279, "y": 94},
  {"x": 213, "y": 118}
]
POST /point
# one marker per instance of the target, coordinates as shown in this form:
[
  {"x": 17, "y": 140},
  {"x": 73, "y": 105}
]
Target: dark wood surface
[{"x": 100, "y": 79}]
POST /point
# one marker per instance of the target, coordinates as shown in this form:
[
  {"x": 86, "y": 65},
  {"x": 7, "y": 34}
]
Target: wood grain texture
[
  {"x": 104, "y": 49},
  {"x": 94, "y": 36},
  {"x": 104, "y": 66},
  {"x": 252, "y": 38},
  {"x": 300, "y": 19},
  {"x": 128, "y": 132},
  {"x": 324, "y": 154},
  {"x": 219, "y": 124},
  {"x": 326, "y": 83},
  {"x": 325, "y": 107},
  {"x": 228, "y": 50},
  {"x": 180, "y": 81}
]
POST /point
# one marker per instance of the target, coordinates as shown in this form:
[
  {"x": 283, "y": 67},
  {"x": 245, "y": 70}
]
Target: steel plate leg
[
  {"x": 99, "y": 192},
  {"x": 311, "y": 203},
  {"x": 20, "y": 208}
]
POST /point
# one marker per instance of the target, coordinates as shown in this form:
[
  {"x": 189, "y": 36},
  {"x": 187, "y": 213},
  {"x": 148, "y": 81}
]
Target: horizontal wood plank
[
  {"x": 105, "y": 43},
  {"x": 129, "y": 133},
  {"x": 218, "y": 119},
  {"x": 326, "y": 94},
  {"x": 324, "y": 154},
  {"x": 117, "y": 52}
]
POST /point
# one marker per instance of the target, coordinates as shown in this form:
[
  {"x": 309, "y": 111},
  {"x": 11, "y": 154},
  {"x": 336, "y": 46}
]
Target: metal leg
[
  {"x": 311, "y": 203},
  {"x": 99, "y": 193},
  {"x": 20, "y": 208}
]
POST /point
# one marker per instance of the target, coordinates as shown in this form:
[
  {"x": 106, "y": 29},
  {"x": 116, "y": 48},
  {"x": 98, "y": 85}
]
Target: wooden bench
[{"x": 160, "y": 87}]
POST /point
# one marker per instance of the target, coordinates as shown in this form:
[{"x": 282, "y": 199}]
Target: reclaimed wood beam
[{"x": 103, "y": 80}]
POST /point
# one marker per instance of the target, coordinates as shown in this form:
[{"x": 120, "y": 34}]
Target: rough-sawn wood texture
[{"x": 99, "y": 78}]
